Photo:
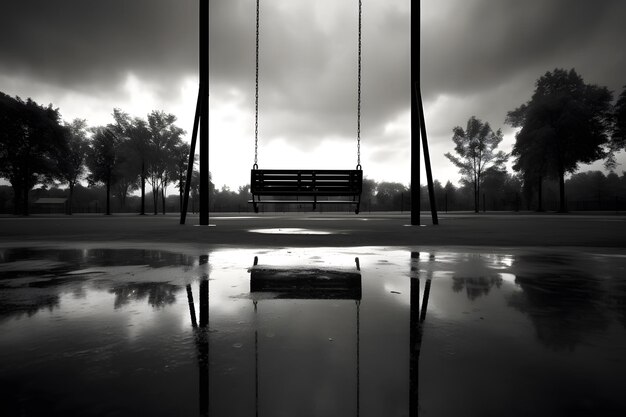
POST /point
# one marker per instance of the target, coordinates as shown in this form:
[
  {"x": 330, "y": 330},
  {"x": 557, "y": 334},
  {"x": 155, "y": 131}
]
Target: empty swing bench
[{"x": 309, "y": 184}]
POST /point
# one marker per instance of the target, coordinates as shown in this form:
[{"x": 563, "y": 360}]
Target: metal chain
[
  {"x": 256, "y": 93},
  {"x": 358, "y": 109}
]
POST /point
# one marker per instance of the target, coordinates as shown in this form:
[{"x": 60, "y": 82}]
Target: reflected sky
[
  {"x": 291, "y": 231},
  {"x": 106, "y": 332}
]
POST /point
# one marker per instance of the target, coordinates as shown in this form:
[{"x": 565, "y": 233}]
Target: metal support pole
[
  {"x": 204, "y": 114},
  {"x": 192, "y": 156},
  {"x": 415, "y": 122},
  {"x": 429, "y": 173}
]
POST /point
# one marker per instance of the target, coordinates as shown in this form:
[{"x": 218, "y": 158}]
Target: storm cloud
[{"x": 478, "y": 57}]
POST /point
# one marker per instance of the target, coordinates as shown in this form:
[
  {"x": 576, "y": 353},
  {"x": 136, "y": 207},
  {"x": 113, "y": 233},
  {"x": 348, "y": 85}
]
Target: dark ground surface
[
  {"x": 483, "y": 315},
  {"x": 342, "y": 230}
]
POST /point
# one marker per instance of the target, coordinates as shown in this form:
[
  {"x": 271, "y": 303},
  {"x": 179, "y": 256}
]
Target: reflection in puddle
[
  {"x": 291, "y": 231},
  {"x": 311, "y": 332}
]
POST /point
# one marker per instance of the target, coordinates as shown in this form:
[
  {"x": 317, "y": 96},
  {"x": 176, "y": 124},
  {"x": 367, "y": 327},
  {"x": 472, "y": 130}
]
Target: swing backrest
[{"x": 295, "y": 182}]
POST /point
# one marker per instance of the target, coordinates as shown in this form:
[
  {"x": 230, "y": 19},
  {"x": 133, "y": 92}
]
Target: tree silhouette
[
  {"x": 566, "y": 122},
  {"x": 136, "y": 147},
  {"x": 102, "y": 160},
  {"x": 389, "y": 195},
  {"x": 476, "y": 149},
  {"x": 71, "y": 166},
  {"x": 181, "y": 160},
  {"x": 619, "y": 133},
  {"x": 129, "y": 169},
  {"x": 31, "y": 140},
  {"x": 163, "y": 136}
]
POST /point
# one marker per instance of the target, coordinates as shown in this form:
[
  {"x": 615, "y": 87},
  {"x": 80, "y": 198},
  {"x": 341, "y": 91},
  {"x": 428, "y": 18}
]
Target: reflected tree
[
  {"x": 476, "y": 286},
  {"x": 565, "y": 306},
  {"x": 13, "y": 305},
  {"x": 474, "y": 273},
  {"x": 158, "y": 294}
]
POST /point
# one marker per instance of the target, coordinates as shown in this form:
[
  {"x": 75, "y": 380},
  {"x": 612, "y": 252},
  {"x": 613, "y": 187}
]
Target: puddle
[
  {"x": 291, "y": 231},
  {"x": 309, "y": 332}
]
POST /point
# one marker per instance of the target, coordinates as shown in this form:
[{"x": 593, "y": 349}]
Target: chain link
[
  {"x": 256, "y": 93},
  {"x": 358, "y": 109}
]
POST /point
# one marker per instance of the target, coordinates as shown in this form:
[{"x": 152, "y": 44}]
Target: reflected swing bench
[{"x": 310, "y": 184}]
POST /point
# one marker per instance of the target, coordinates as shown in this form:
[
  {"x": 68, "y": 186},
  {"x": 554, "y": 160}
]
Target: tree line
[
  {"x": 500, "y": 191},
  {"x": 38, "y": 148},
  {"x": 565, "y": 123}
]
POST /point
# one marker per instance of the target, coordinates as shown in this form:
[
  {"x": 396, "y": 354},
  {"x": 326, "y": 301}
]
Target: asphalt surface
[{"x": 321, "y": 230}]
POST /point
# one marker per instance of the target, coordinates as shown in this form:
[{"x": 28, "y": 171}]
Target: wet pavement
[{"x": 367, "y": 331}]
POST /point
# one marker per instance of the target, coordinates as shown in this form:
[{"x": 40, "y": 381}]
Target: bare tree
[{"x": 475, "y": 147}]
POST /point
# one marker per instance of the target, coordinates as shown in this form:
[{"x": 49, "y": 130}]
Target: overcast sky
[{"x": 479, "y": 57}]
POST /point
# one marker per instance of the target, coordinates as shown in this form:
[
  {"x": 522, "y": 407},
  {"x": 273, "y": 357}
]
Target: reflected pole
[
  {"x": 202, "y": 344},
  {"x": 204, "y": 293},
  {"x": 203, "y": 337},
  {"x": 192, "y": 308},
  {"x": 416, "y": 329},
  {"x": 414, "y": 336}
]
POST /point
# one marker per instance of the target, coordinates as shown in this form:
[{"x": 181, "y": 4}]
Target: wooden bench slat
[
  {"x": 303, "y": 171},
  {"x": 303, "y": 201},
  {"x": 296, "y": 186},
  {"x": 307, "y": 183},
  {"x": 305, "y": 194},
  {"x": 307, "y": 176}
]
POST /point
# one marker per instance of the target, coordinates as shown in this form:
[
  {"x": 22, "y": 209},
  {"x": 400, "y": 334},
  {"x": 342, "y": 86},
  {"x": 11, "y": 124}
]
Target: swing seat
[{"x": 309, "y": 184}]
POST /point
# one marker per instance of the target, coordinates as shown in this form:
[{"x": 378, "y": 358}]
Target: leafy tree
[
  {"x": 475, "y": 147},
  {"x": 139, "y": 136},
  {"x": 135, "y": 148},
  {"x": 501, "y": 189},
  {"x": 71, "y": 167},
  {"x": 127, "y": 174},
  {"x": 31, "y": 142},
  {"x": 619, "y": 133},
  {"x": 103, "y": 159},
  {"x": 194, "y": 189},
  {"x": 163, "y": 135},
  {"x": 368, "y": 193},
  {"x": 449, "y": 193},
  {"x": 389, "y": 195},
  {"x": 566, "y": 122},
  {"x": 181, "y": 162}
]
